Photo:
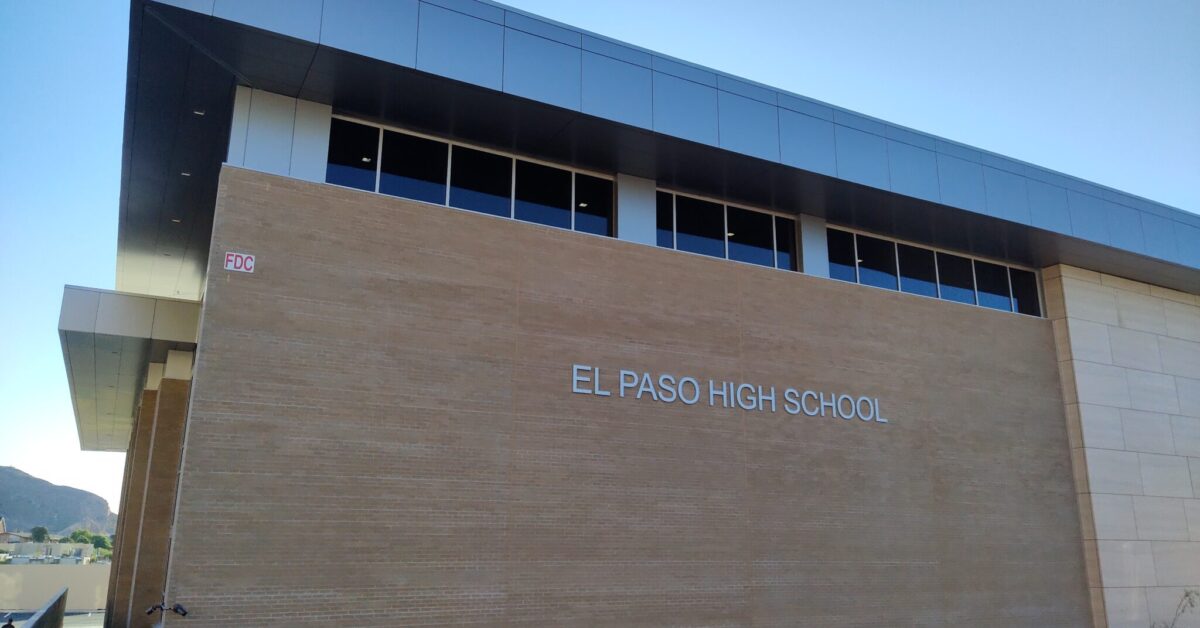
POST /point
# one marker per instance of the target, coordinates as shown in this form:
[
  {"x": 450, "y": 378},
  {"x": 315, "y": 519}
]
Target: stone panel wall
[{"x": 1130, "y": 361}]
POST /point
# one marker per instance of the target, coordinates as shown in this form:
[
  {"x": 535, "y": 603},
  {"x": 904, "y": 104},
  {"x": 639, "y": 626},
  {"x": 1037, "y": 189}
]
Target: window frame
[
  {"x": 895, "y": 261},
  {"x": 378, "y": 148},
  {"x": 1037, "y": 276},
  {"x": 513, "y": 157},
  {"x": 512, "y": 180},
  {"x": 937, "y": 277},
  {"x": 724, "y": 226},
  {"x": 1037, "y": 289},
  {"x": 795, "y": 218}
]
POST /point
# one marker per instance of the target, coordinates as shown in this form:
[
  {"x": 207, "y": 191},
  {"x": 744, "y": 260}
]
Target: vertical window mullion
[
  {"x": 775, "y": 240},
  {"x": 449, "y": 162},
  {"x": 378, "y": 159},
  {"x": 674, "y": 223},
  {"x": 974, "y": 282},
  {"x": 1037, "y": 283},
  {"x": 573, "y": 176},
  {"x": 899, "y": 275},
  {"x": 1012, "y": 303},
  {"x": 937, "y": 274},
  {"x": 725, "y": 216},
  {"x": 512, "y": 190},
  {"x": 857, "y": 274}
]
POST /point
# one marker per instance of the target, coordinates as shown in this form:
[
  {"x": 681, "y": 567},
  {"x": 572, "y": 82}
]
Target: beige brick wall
[
  {"x": 129, "y": 520},
  {"x": 382, "y": 433},
  {"x": 1130, "y": 360}
]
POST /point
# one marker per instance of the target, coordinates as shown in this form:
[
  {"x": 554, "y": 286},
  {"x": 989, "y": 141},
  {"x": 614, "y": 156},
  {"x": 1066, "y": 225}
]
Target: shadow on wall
[
  {"x": 26, "y": 587},
  {"x": 50, "y": 615},
  {"x": 1188, "y": 603}
]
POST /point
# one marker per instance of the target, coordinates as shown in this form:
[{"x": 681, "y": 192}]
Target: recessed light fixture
[
  {"x": 583, "y": 204},
  {"x": 176, "y": 220},
  {"x": 729, "y": 235},
  {"x": 857, "y": 261},
  {"x": 186, "y": 174},
  {"x": 366, "y": 160},
  {"x": 199, "y": 112}
]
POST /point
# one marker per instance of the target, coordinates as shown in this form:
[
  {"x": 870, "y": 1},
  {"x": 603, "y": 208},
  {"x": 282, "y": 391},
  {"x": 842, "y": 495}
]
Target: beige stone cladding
[
  {"x": 383, "y": 433},
  {"x": 1130, "y": 361}
]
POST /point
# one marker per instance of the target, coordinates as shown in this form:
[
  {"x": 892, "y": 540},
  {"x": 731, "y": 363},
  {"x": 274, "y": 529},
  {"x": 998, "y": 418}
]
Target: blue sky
[{"x": 1105, "y": 90}]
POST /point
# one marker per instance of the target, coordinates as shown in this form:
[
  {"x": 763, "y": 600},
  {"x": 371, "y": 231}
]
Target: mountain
[{"x": 26, "y": 501}]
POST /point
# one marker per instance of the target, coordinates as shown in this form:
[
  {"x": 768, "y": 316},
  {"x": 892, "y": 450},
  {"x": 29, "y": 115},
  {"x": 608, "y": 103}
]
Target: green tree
[
  {"x": 40, "y": 534},
  {"x": 81, "y": 536},
  {"x": 100, "y": 541}
]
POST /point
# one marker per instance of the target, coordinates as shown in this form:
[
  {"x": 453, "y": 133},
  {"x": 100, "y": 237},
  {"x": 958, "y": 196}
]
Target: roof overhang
[
  {"x": 188, "y": 60},
  {"x": 109, "y": 340}
]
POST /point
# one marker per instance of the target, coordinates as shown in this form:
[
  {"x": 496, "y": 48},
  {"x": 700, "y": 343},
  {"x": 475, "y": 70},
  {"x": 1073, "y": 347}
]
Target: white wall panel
[
  {"x": 636, "y": 214},
  {"x": 814, "y": 248},
  {"x": 237, "y": 129},
  {"x": 310, "y": 141},
  {"x": 269, "y": 135}
]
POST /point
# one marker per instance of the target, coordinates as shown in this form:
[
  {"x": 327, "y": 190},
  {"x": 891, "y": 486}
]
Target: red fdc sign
[{"x": 239, "y": 262}]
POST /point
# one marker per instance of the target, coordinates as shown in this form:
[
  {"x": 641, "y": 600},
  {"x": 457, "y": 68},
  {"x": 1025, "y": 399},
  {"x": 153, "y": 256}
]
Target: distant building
[{"x": 12, "y": 537}]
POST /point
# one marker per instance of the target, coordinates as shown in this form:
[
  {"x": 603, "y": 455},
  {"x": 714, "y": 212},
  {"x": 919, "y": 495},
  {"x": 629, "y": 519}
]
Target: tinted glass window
[
  {"x": 751, "y": 238},
  {"x": 699, "y": 226},
  {"x": 543, "y": 195},
  {"x": 785, "y": 243},
  {"x": 992, "y": 283},
  {"x": 353, "y": 149},
  {"x": 956, "y": 278},
  {"x": 593, "y": 205},
  {"x": 413, "y": 167},
  {"x": 841, "y": 255},
  {"x": 917, "y": 274},
  {"x": 480, "y": 181},
  {"x": 876, "y": 262},
  {"x": 1025, "y": 292},
  {"x": 666, "y": 220}
]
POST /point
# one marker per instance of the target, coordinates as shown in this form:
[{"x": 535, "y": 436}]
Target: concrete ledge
[{"x": 109, "y": 340}]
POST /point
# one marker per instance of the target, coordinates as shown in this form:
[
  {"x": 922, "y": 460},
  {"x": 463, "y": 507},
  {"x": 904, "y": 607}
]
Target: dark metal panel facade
[
  {"x": 1125, "y": 227},
  {"x": 1089, "y": 220},
  {"x": 1187, "y": 239},
  {"x": 862, "y": 157},
  {"x": 1159, "y": 233},
  {"x": 524, "y": 23},
  {"x": 748, "y": 126},
  {"x": 685, "y": 109},
  {"x": 1048, "y": 207},
  {"x": 597, "y": 103},
  {"x": 542, "y": 69},
  {"x": 461, "y": 47},
  {"x": 1006, "y": 194},
  {"x": 381, "y": 29},
  {"x": 913, "y": 170},
  {"x": 293, "y": 18},
  {"x": 961, "y": 183},
  {"x": 617, "y": 90},
  {"x": 807, "y": 142}
]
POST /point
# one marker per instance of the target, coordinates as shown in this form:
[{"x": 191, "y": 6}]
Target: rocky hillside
[{"x": 26, "y": 501}]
